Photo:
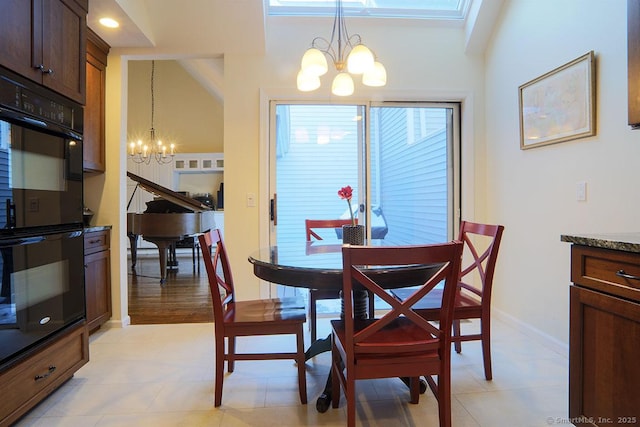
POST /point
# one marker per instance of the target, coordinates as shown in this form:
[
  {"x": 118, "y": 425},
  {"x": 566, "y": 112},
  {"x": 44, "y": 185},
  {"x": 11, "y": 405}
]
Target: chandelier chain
[{"x": 153, "y": 102}]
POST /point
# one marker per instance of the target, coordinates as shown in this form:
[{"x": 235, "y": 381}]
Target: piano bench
[{"x": 192, "y": 243}]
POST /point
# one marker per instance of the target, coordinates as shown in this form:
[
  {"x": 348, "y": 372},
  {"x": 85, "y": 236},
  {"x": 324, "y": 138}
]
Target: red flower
[{"x": 347, "y": 193}]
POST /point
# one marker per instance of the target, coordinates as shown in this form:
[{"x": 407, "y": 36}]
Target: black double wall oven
[{"x": 41, "y": 231}]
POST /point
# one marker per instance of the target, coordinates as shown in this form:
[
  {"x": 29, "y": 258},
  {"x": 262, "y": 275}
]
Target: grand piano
[{"x": 166, "y": 221}]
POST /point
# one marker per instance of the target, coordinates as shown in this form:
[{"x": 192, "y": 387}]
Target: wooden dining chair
[
  {"x": 311, "y": 231},
  {"x": 473, "y": 296},
  {"x": 401, "y": 343},
  {"x": 234, "y": 318}
]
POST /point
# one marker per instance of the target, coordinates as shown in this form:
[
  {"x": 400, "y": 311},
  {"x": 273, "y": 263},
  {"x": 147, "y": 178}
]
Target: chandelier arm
[
  {"x": 325, "y": 47},
  {"x": 354, "y": 40}
]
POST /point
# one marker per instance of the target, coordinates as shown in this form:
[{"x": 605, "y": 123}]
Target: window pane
[
  {"x": 317, "y": 154},
  {"x": 410, "y": 177},
  {"x": 430, "y": 9}
]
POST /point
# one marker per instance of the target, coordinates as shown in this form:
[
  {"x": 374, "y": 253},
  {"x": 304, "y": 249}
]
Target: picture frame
[{"x": 559, "y": 105}]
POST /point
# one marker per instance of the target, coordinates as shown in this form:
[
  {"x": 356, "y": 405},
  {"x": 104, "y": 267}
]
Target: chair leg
[
  {"x": 198, "y": 256},
  {"x": 312, "y": 317},
  {"x": 485, "y": 330},
  {"x": 219, "y": 375},
  {"x": 444, "y": 399},
  {"x": 336, "y": 384},
  {"x": 302, "y": 378},
  {"x": 350, "y": 395},
  {"x": 231, "y": 353},
  {"x": 193, "y": 255},
  {"x": 456, "y": 334},
  {"x": 414, "y": 389}
]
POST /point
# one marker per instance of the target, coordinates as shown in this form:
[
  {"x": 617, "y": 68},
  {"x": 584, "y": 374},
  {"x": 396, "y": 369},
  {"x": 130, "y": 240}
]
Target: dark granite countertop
[
  {"x": 95, "y": 228},
  {"x": 629, "y": 242}
]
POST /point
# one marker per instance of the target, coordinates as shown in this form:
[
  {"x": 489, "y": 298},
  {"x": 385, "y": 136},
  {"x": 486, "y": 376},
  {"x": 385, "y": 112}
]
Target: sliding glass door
[{"x": 401, "y": 159}]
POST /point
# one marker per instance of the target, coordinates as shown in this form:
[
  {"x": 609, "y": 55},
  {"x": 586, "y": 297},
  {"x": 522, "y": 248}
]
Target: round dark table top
[{"x": 318, "y": 265}]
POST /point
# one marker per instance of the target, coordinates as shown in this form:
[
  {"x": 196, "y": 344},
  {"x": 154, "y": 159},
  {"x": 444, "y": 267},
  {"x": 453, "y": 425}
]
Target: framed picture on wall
[{"x": 559, "y": 105}]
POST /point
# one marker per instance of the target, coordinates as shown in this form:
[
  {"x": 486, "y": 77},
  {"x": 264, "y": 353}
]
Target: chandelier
[
  {"x": 143, "y": 152},
  {"x": 349, "y": 56}
]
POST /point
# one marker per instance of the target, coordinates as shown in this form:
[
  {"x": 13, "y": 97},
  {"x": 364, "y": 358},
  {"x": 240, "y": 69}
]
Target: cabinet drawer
[
  {"x": 28, "y": 382},
  {"x": 611, "y": 271},
  {"x": 96, "y": 241}
]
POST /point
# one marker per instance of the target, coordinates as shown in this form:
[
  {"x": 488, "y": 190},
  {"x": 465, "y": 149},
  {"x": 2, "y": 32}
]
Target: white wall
[
  {"x": 533, "y": 192},
  {"x": 185, "y": 114},
  {"x": 422, "y": 63}
]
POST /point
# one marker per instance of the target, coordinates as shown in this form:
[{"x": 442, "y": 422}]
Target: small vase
[{"x": 353, "y": 234}]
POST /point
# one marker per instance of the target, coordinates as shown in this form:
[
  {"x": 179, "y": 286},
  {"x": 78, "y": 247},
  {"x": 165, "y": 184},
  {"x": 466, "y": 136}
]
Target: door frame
[{"x": 466, "y": 156}]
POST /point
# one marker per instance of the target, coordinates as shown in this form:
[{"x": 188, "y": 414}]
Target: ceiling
[
  {"x": 198, "y": 33},
  {"x": 195, "y": 33}
]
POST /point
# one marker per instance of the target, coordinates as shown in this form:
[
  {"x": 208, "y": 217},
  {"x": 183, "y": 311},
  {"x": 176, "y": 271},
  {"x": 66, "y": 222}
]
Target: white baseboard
[
  {"x": 114, "y": 323},
  {"x": 547, "y": 340}
]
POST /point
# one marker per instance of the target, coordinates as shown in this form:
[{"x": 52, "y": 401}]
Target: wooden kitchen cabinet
[
  {"x": 45, "y": 41},
  {"x": 94, "y": 110},
  {"x": 97, "y": 277},
  {"x": 604, "y": 337},
  {"x": 42, "y": 371}
]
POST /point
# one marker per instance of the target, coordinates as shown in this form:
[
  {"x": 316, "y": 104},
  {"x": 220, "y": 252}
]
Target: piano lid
[{"x": 172, "y": 196}]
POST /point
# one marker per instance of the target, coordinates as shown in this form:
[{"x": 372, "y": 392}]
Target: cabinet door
[
  {"x": 93, "y": 144},
  {"x": 63, "y": 47},
  {"x": 97, "y": 288},
  {"x": 15, "y": 38},
  {"x": 603, "y": 369},
  {"x": 94, "y": 110}
]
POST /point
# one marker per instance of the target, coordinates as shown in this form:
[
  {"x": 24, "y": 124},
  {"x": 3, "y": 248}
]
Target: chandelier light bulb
[
  {"x": 307, "y": 82},
  {"x": 342, "y": 85},
  {"x": 360, "y": 59},
  {"x": 347, "y": 54},
  {"x": 314, "y": 62},
  {"x": 376, "y": 76}
]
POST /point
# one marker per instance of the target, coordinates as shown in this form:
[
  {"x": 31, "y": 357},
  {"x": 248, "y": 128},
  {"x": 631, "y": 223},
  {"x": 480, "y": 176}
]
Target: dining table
[{"x": 318, "y": 265}]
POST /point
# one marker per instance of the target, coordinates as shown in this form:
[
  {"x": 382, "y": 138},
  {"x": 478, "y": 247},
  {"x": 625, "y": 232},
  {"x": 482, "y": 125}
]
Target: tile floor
[{"x": 162, "y": 375}]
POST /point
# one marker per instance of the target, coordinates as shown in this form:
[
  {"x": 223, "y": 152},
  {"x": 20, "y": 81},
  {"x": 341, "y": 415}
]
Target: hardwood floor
[{"x": 184, "y": 298}]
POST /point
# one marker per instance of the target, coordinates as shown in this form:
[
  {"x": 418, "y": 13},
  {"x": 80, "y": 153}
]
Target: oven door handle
[
  {"x": 21, "y": 241},
  {"x": 22, "y": 119}
]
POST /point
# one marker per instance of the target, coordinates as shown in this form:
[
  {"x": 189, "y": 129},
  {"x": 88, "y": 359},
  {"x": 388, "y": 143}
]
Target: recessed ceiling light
[{"x": 109, "y": 22}]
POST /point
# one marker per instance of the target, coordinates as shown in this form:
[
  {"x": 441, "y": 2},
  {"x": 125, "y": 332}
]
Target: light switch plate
[{"x": 581, "y": 191}]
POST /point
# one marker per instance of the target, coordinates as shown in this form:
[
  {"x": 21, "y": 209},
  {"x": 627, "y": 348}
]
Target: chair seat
[
  {"x": 254, "y": 312},
  {"x": 262, "y": 304},
  {"x": 432, "y": 300},
  {"x": 389, "y": 339}
]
